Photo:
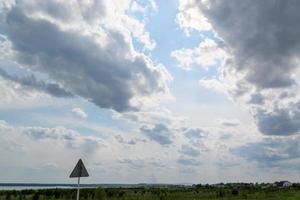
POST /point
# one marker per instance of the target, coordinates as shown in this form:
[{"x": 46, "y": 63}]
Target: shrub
[
  {"x": 100, "y": 194},
  {"x": 20, "y": 196},
  {"x": 235, "y": 192},
  {"x": 221, "y": 193},
  {"x": 56, "y": 194},
  {"x": 121, "y": 194},
  {"x": 48, "y": 193},
  {"x": 110, "y": 193},
  {"x": 7, "y": 197},
  {"x": 36, "y": 196}
]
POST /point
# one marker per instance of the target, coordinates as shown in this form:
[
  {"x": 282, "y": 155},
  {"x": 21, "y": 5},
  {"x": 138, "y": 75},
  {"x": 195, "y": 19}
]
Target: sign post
[{"x": 79, "y": 171}]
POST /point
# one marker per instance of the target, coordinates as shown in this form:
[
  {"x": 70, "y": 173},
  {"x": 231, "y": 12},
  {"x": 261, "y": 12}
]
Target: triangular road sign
[{"x": 79, "y": 170}]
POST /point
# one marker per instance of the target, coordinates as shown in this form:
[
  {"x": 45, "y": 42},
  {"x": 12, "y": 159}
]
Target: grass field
[{"x": 155, "y": 193}]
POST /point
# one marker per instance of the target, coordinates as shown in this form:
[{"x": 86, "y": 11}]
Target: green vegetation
[{"x": 201, "y": 192}]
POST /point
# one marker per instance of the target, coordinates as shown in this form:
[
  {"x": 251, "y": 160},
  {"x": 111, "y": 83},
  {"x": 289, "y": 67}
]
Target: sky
[{"x": 150, "y": 91}]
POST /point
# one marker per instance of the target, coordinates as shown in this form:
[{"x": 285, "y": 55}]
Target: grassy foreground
[{"x": 156, "y": 193}]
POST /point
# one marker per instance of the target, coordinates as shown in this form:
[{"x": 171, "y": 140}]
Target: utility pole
[{"x": 78, "y": 188}]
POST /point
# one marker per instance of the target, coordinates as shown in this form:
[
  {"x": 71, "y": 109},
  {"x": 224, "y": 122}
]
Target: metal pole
[{"x": 78, "y": 187}]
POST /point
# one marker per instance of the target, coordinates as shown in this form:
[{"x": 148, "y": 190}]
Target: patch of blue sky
[
  {"x": 104, "y": 117},
  {"x": 60, "y": 114},
  {"x": 169, "y": 37}
]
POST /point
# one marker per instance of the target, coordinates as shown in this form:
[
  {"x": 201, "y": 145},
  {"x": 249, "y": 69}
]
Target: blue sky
[{"x": 149, "y": 91}]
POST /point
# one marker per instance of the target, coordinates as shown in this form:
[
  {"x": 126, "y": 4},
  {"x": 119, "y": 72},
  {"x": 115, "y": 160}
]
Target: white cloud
[
  {"x": 213, "y": 84},
  {"x": 14, "y": 95},
  {"x": 79, "y": 112},
  {"x": 132, "y": 141},
  {"x": 207, "y": 54},
  {"x": 136, "y": 7},
  {"x": 154, "y": 5},
  {"x": 29, "y": 139},
  {"x": 189, "y": 18}
]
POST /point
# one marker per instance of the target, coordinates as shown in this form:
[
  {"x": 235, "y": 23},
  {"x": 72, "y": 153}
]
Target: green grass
[{"x": 173, "y": 193}]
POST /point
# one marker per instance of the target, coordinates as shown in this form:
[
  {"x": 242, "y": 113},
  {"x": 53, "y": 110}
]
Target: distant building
[{"x": 283, "y": 184}]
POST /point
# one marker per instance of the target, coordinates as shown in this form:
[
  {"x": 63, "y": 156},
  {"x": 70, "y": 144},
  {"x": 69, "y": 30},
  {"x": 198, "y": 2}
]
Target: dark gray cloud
[
  {"x": 32, "y": 83},
  {"x": 189, "y": 151},
  {"x": 256, "y": 99},
  {"x": 108, "y": 72},
  {"x": 271, "y": 151},
  {"x": 262, "y": 38},
  {"x": 160, "y": 133},
  {"x": 284, "y": 121}
]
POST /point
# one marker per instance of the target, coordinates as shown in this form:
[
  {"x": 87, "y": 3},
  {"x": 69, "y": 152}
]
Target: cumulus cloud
[
  {"x": 86, "y": 48},
  {"x": 229, "y": 122},
  {"x": 188, "y": 161},
  {"x": 261, "y": 39},
  {"x": 69, "y": 138},
  {"x": 213, "y": 84},
  {"x": 141, "y": 163},
  {"x": 143, "y": 7},
  {"x": 270, "y": 151},
  {"x": 189, "y": 151},
  {"x": 136, "y": 7},
  {"x": 79, "y": 112},
  {"x": 132, "y": 141},
  {"x": 196, "y": 139},
  {"x": 256, "y": 98},
  {"x": 163, "y": 127},
  {"x": 195, "y": 133},
  {"x": 257, "y": 41},
  {"x": 189, "y": 17},
  {"x": 160, "y": 133},
  {"x": 133, "y": 163},
  {"x": 10, "y": 92},
  {"x": 31, "y": 82},
  {"x": 207, "y": 54},
  {"x": 152, "y": 116},
  {"x": 284, "y": 121}
]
